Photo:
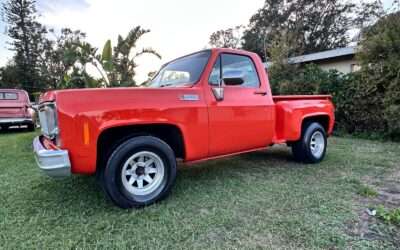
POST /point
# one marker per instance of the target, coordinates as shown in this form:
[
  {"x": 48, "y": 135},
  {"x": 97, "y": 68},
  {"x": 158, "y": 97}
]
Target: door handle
[{"x": 260, "y": 92}]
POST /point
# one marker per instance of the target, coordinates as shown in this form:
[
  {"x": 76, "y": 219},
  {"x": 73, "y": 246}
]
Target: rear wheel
[
  {"x": 311, "y": 146},
  {"x": 31, "y": 127},
  {"x": 140, "y": 172},
  {"x": 4, "y": 127}
]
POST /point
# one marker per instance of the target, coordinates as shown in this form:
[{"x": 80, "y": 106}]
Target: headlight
[{"x": 48, "y": 121}]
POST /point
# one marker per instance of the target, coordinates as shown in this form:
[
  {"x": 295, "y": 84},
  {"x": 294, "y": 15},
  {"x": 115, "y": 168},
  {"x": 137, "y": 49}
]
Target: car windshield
[{"x": 185, "y": 70}]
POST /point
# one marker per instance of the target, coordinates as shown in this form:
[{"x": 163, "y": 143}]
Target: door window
[{"x": 231, "y": 62}]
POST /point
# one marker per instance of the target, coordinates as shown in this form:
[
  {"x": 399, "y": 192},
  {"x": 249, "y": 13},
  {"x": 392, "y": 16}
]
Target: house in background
[{"x": 340, "y": 59}]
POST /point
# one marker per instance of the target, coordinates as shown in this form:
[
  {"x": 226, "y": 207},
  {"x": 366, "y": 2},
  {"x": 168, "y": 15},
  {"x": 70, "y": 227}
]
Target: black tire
[
  {"x": 302, "y": 150},
  {"x": 111, "y": 177},
  {"x": 31, "y": 127},
  {"x": 4, "y": 127}
]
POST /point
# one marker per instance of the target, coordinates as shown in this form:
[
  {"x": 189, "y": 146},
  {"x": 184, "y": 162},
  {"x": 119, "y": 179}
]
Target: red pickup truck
[
  {"x": 15, "y": 109},
  {"x": 209, "y": 104}
]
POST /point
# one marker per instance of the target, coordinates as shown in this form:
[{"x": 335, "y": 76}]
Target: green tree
[
  {"x": 150, "y": 76},
  {"x": 367, "y": 102},
  {"x": 229, "y": 38},
  {"x": 379, "y": 57},
  {"x": 27, "y": 36},
  {"x": 306, "y": 26},
  {"x": 8, "y": 74},
  {"x": 42, "y": 62},
  {"x": 119, "y": 64},
  {"x": 64, "y": 58}
]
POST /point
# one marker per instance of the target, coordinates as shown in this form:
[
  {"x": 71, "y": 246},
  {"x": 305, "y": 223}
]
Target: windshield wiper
[{"x": 165, "y": 85}]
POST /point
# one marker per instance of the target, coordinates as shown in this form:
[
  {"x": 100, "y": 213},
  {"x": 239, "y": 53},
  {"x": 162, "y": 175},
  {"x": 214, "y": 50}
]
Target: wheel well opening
[
  {"x": 321, "y": 119},
  {"x": 112, "y": 137}
]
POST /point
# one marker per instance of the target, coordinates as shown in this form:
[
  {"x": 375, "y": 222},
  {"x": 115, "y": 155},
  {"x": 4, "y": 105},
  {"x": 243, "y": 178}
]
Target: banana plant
[{"x": 118, "y": 64}]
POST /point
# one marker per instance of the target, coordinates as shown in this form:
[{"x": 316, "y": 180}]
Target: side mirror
[
  {"x": 218, "y": 93},
  {"x": 233, "y": 77}
]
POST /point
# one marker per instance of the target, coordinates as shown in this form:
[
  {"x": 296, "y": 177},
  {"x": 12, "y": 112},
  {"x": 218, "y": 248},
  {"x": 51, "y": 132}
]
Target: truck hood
[
  {"x": 52, "y": 95},
  {"x": 78, "y": 101}
]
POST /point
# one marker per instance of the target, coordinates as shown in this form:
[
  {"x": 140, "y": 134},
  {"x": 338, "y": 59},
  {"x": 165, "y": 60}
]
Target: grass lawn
[{"x": 255, "y": 200}]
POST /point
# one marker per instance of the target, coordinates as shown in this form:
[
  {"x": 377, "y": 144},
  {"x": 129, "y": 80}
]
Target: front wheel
[
  {"x": 140, "y": 172},
  {"x": 311, "y": 146}
]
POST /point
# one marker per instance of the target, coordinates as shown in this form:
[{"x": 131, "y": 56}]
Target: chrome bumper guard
[{"x": 52, "y": 162}]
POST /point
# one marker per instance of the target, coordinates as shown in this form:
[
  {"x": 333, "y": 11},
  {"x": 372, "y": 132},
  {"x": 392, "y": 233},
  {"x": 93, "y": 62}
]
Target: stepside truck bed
[{"x": 292, "y": 110}]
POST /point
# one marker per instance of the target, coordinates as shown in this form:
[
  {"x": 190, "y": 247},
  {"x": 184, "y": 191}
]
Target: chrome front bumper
[
  {"x": 16, "y": 120},
  {"x": 52, "y": 162}
]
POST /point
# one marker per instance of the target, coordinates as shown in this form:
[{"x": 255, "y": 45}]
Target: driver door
[{"x": 244, "y": 118}]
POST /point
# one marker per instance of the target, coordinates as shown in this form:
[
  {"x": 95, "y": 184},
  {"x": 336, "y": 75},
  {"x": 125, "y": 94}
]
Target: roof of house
[{"x": 320, "y": 55}]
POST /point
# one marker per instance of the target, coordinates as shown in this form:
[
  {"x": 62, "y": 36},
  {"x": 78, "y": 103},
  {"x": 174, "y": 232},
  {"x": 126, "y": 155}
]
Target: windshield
[{"x": 185, "y": 70}]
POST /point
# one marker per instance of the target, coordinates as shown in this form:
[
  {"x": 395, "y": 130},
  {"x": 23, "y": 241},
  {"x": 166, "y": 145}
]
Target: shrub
[
  {"x": 379, "y": 58},
  {"x": 291, "y": 79},
  {"x": 387, "y": 215},
  {"x": 368, "y": 101}
]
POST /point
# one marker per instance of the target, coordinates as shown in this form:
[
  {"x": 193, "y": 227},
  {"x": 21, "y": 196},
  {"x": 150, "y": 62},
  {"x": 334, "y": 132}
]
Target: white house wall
[{"x": 344, "y": 66}]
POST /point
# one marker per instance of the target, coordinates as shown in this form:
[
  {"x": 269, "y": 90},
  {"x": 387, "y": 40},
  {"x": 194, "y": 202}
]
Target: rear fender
[{"x": 290, "y": 117}]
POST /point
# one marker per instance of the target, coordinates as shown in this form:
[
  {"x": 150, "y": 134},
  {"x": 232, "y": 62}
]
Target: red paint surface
[{"x": 242, "y": 122}]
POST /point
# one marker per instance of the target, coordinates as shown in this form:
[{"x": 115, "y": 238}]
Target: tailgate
[{"x": 13, "y": 111}]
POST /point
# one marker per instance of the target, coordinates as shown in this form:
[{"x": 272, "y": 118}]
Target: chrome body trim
[{"x": 189, "y": 97}]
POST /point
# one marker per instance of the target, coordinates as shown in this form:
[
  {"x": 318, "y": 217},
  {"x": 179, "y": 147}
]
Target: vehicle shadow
[
  {"x": 84, "y": 191},
  {"x": 278, "y": 156}
]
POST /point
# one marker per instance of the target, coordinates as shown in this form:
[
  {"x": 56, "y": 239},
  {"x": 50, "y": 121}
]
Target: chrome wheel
[
  {"x": 317, "y": 144},
  {"x": 142, "y": 173}
]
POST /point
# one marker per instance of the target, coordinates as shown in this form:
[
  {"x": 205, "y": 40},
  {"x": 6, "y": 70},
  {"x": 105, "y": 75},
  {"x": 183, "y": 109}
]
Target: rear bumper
[
  {"x": 52, "y": 162},
  {"x": 16, "y": 121}
]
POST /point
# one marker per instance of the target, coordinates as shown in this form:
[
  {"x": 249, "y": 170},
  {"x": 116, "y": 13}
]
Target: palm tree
[{"x": 118, "y": 65}]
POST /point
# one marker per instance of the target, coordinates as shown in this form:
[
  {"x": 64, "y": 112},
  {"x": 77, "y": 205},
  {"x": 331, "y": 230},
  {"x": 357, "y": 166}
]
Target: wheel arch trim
[{"x": 139, "y": 130}]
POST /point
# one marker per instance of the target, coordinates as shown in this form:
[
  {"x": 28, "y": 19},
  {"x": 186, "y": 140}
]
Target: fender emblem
[{"x": 189, "y": 97}]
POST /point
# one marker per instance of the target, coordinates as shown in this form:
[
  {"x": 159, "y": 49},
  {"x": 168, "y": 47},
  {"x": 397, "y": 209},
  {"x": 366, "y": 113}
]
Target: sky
[{"x": 178, "y": 27}]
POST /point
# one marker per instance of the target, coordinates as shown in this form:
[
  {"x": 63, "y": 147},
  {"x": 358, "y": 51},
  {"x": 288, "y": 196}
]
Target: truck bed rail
[{"x": 302, "y": 97}]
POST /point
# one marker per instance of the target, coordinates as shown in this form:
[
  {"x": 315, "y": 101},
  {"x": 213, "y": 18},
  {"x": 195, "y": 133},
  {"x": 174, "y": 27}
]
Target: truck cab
[{"x": 208, "y": 104}]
